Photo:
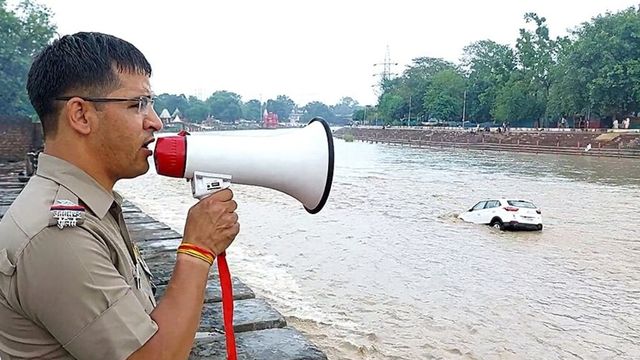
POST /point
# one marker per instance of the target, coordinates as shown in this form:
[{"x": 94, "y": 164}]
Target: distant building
[
  {"x": 165, "y": 117},
  {"x": 294, "y": 118},
  {"x": 177, "y": 120},
  {"x": 269, "y": 120}
]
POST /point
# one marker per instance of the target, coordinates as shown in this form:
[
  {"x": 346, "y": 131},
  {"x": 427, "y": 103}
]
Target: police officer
[{"x": 71, "y": 283}]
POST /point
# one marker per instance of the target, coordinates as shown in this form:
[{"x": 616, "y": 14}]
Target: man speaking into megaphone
[
  {"x": 298, "y": 163},
  {"x": 72, "y": 284}
]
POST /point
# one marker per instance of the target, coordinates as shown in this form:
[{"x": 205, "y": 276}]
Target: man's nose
[{"x": 152, "y": 120}]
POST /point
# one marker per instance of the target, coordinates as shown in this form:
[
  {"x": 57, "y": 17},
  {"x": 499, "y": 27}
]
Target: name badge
[{"x": 67, "y": 214}]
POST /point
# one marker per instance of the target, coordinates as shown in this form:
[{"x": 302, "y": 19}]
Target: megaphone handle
[{"x": 227, "y": 305}]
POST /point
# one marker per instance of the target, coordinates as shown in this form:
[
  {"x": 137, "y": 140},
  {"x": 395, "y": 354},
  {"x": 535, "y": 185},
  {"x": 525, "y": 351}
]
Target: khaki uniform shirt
[{"x": 71, "y": 292}]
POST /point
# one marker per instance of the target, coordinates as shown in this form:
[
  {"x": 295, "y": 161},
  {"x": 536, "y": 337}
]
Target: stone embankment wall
[
  {"x": 18, "y": 135},
  {"x": 621, "y": 143}
]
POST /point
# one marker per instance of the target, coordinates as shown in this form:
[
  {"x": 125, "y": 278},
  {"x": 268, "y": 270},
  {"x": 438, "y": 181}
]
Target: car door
[
  {"x": 474, "y": 214},
  {"x": 490, "y": 210}
]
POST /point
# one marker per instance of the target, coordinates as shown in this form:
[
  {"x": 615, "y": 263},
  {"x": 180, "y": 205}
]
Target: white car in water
[{"x": 505, "y": 214}]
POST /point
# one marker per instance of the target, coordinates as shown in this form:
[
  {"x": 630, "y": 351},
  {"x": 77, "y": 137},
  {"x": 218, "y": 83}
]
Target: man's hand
[{"x": 213, "y": 223}]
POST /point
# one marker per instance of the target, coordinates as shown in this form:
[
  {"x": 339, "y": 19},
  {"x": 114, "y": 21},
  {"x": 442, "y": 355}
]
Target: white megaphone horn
[{"x": 298, "y": 163}]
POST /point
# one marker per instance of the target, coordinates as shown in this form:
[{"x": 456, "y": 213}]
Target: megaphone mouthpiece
[{"x": 170, "y": 155}]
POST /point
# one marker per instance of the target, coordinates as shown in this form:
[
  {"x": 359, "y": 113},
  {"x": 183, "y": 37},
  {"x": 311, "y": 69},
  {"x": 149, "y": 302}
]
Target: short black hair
[{"x": 85, "y": 61}]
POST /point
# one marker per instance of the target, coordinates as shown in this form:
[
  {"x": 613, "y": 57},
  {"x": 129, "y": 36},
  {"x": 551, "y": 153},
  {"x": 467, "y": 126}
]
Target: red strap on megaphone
[
  {"x": 227, "y": 306},
  {"x": 170, "y": 160}
]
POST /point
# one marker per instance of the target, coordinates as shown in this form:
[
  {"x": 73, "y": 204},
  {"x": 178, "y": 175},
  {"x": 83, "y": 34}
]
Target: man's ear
[{"x": 79, "y": 114}]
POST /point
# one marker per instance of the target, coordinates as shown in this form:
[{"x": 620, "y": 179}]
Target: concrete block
[
  {"x": 137, "y": 218},
  {"x": 147, "y": 226},
  {"x": 271, "y": 344},
  {"x": 248, "y": 315},
  {"x": 153, "y": 234}
]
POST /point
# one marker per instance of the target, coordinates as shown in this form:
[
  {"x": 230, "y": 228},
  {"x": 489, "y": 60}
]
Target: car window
[
  {"x": 492, "y": 204},
  {"x": 521, "y": 204},
  {"x": 479, "y": 205}
]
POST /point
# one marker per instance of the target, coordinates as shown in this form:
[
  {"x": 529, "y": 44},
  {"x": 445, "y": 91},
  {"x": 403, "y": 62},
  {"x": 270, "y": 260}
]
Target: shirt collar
[{"x": 78, "y": 182}]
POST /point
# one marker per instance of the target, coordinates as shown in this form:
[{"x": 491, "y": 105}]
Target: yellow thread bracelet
[{"x": 196, "y": 254}]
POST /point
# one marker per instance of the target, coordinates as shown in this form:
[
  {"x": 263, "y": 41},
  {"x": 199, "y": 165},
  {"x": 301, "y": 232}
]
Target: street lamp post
[
  {"x": 409, "y": 118},
  {"x": 464, "y": 107}
]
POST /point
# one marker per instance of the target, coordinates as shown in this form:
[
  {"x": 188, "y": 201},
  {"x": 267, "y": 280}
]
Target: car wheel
[
  {"x": 497, "y": 224},
  {"x": 539, "y": 226}
]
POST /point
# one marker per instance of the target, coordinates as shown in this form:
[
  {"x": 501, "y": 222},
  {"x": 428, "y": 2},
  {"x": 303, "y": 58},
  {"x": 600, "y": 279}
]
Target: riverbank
[
  {"x": 624, "y": 144},
  {"x": 261, "y": 331}
]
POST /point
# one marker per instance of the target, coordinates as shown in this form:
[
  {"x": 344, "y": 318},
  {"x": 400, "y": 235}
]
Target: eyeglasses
[{"x": 144, "y": 102}]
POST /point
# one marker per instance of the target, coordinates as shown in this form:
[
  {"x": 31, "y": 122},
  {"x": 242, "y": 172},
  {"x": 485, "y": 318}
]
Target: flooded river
[{"x": 386, "y": 271}]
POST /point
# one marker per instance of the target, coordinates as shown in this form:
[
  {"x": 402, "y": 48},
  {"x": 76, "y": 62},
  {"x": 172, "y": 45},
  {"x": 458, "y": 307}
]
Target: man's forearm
[{"x": 178, "y": 313}]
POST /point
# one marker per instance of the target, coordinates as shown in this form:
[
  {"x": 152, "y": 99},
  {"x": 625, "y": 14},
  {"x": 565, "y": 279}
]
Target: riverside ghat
[
  {"x": 261, "y": 331},
  {"x": 600, "y": 142}
]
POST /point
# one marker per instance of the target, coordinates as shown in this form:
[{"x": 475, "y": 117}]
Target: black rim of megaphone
[{"x": 327, "y": 186}]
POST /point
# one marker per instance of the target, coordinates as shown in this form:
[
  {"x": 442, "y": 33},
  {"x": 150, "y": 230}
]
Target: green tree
[
  {"x": 343, "y": 110},
  {"x": 518, "y": 102},
  {"x": 25, "y": 30},
  {"x": 391, "y": 106},
  {"x": 252, "y": 110},
  {"x": 536, "y": 54},
  {"x": 359, "y": 115},
  {"x": 225, "y": 105},
  {"x": 317, "y": 109},
  {"x": 282, "y": 106},
  {"x": 416, "y": 81},
  {"x": 171, "y": 102},
  {"x": 196, "y": 110},
  {"x": 489, "y": 66},
  {"x": 444, "y": 97},
  {"x": 599, "y": 72},
  {"x": 367, "y": 114},
  {"x": 345, "y": 107}
]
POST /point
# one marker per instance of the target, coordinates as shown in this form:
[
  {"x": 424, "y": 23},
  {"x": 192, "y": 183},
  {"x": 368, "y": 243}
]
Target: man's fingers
[{"x": 222, "y": 195}]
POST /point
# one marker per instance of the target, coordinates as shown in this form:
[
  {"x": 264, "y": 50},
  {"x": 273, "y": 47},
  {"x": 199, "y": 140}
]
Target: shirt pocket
[{"x": 6, "y": 266}]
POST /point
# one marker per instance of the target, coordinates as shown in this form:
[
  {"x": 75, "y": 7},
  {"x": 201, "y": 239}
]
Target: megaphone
[{"x": 298, "y": 163}]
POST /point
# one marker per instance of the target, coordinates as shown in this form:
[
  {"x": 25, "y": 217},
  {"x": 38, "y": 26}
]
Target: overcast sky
[{"x": 308, "y": 50}]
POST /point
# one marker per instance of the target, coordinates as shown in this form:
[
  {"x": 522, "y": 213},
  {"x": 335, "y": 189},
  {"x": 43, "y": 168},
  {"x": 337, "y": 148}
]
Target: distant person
[
  {"x": 615, "y": 123},
  {"x": 72, "y": 282},
  {"x": 627, "y": 122},
  {"x": 563, "y": 123}
]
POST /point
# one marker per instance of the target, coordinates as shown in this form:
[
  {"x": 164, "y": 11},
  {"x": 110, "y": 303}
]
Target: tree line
[
  {"x": 229, "y": 107},
  {"x": 594, "y": 72}
]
